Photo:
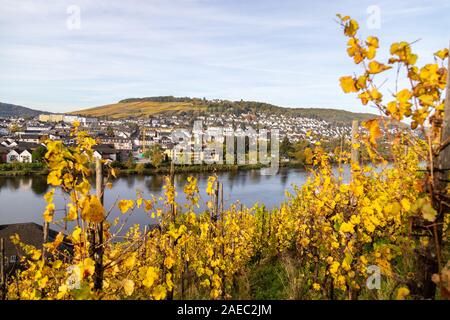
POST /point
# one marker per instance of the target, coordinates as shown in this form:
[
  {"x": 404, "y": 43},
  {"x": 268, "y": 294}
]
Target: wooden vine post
[
  {"x": 430, "y": 259},
  {"x": 45, "y": 231},
  {"x": 355, "y": 151},
  {"x": 172, "y": 184},
  {"x": 173, "y": 212},
  {"x": 98, "y": 233},
  {"x": 2, "y": 270}
]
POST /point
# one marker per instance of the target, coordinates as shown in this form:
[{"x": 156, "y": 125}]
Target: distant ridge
[
  {"x": 12, "y": 110},
  {"x": 170, "y": 105}
]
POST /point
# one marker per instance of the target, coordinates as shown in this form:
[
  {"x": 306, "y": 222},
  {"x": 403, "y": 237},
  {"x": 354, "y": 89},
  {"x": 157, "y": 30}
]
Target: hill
[
  {"x": 136, "y": 109},
  {"x": 12, "y": 110},
  {"x": 144, "y": 107}
]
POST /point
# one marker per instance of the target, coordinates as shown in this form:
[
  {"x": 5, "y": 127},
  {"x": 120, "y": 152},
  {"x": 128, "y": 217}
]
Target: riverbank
[
  {"x": 204, "y": 168},
  {"x": 22, "y": 169},
  {"x": 39, "y": 169}
]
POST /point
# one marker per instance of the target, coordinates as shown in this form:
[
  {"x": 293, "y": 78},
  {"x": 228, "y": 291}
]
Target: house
[
  {"x": 29, "y": 233},
  {"x": 51, "y": 117},
  {"x": 12, "y": 156},
  {"x": 21, "y": 152},
  {"x": 119, "y": 143},
  {"x": 105, "y": 151},
  {"x": 37, "y": 128},
  {"x": 25, "y": 156},
  {"x": 9, "y": 143},
  {"x": 17, "y": 155},
  {"x": 3, "y": 153},
  {"x": 31, "y": 138},
  {"x": 70, "y": 118},
  {"x": 122, "y": 133}
]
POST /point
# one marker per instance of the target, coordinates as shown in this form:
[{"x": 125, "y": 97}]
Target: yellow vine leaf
[
  {"x": 76, "y": 235},
  {"x": 309, "y": 155},
  {"x": 428, "y": 212},
  {"x": 159, "y": 293},
  {"x": 49, "y": 212},
  {"x": 442, "y": 54},
  {"x": 149, "y": 275},
  {"x": 48, "y": 197},
  {"x": 210, "y": 185},
  {"x": 87, "y": 267},
  {"x": 148, "y": 205},
  {"x": 376, "y": 67},
  {"x": 72, "y": 213},
  {"x": 139, "y": 202},
  {"x": 402, "y": 293},
  {"x": 403, "y": 95},
  {"x": 374, "y": 130},
  {"x": 128, "y": 287},
  {"x": 168, "y": 262},
  {"x": 406, "y": 205},
  {"x": 351, "y": 27},
  {"x": 93, "y": 210},
  {"x": 54, "y": 178},
  {"x": 130, "y": 261},
  {"x": 372, "y": 45},
  {"x": 125, "y": 205},
  {"x": 348, "y": 84},
  {"x": 347, "y": 227}
]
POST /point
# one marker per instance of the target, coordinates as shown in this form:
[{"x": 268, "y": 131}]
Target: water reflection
[
  {"x": 21, "y": 197},
  {"x": 39, "y": 185}
]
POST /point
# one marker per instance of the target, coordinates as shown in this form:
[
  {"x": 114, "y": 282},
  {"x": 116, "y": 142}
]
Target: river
[{"x": 21, "y": 198}]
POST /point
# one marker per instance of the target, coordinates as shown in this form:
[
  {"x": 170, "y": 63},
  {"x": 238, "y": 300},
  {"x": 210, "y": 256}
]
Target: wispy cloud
[{"x": 286, "y": 52}]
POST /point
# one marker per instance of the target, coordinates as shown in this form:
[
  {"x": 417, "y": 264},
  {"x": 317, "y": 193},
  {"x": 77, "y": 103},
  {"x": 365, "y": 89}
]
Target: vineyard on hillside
[{"x": 327, "y": 241}]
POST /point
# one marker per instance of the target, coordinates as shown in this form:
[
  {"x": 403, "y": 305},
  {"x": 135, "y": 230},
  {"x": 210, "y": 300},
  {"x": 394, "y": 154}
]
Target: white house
[
  {"x": 25, "y": 156},
  {"x": 105, "y": 152},
  {"x": 12, "y": 156},
  {"x": 70, "y": 118},
  {"x": 109, "y": 157}
]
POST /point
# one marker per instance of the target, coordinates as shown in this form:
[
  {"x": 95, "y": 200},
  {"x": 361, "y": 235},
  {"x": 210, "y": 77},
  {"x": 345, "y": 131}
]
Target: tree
[
  {"x": 130, "y": 163},
  {"x": 155, "y": 154},
  {"x": 39, "y": 153},
  {"x": 14, "y": 128},
  {"x": 286, "y": 147},
  {"x": 110, "y": 131},
  {"x": 298, "y": 151},
  {"x": 140, "y": 168}
]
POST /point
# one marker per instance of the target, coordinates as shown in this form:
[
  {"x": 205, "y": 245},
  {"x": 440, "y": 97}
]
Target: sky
[{"x": 60, "y": 56}]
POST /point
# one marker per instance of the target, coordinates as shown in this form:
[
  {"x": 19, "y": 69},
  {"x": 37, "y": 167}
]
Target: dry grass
[{"x": 137, "y": 109}]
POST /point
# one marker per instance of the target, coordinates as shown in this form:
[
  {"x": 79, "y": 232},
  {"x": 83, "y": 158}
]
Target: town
[{"x": 130, "y": 139}]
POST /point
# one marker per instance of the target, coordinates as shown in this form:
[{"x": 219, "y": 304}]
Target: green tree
[
  {"x": 298, "y": 151},
  {"x": 155, "y": 154},
  {"x": 130, "y": 163},
  {"x": 286, "y": 147},
  {"x": 14, "y": 128},
  {"x": 38, "y": 154},
  {"x": 110, "y": 131},
  {"x": 140, "y": 167}
]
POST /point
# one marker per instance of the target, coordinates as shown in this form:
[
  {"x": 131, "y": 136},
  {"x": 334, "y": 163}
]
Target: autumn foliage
[{"x": 326, "y": 236}]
